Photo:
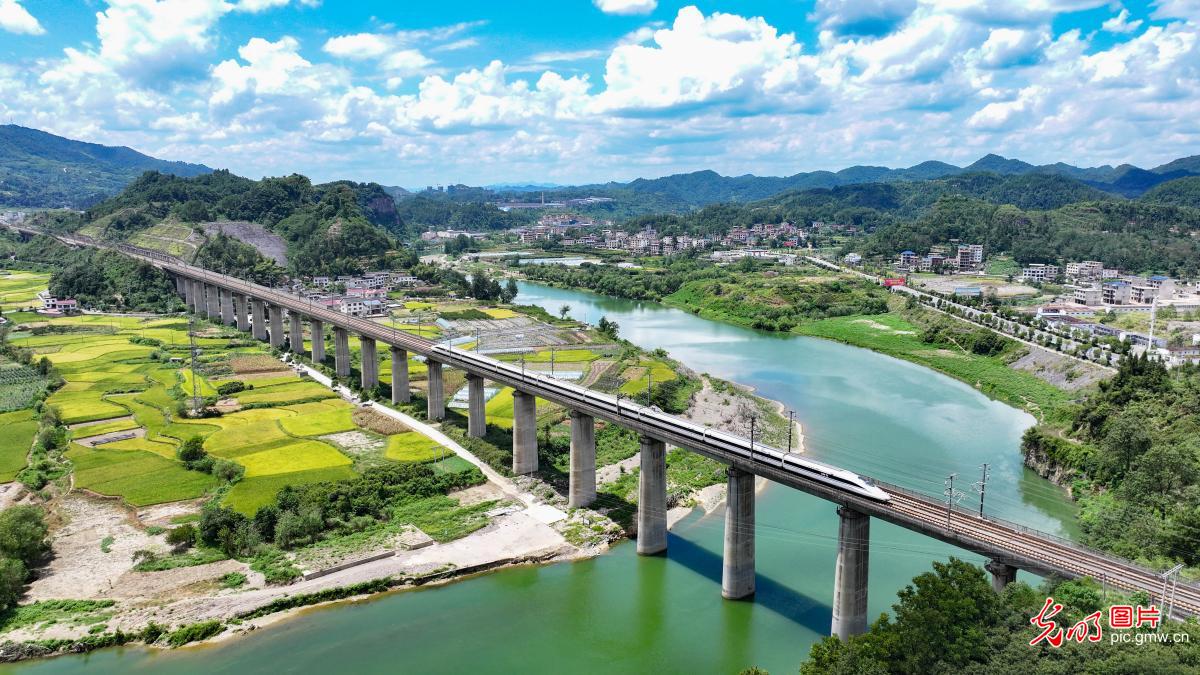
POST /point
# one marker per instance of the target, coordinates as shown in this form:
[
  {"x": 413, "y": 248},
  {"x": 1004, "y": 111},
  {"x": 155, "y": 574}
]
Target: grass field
[
  {"x": 331, "y": 421},
  {"x": 500, "y": 313},
  {"x": 413, "y": 447},
  {"x": 283, "y": 394},
  {"x": 635, "y": 376},
  {"x": 121, "y": 424},
  {"x": 499, "y": 410},
  {"x": 17, "y": 430},
  {"x": 892, "y": 335},
  {"x": 291, "y": 458}
]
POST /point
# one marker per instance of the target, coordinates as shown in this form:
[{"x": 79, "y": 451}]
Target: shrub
[
  {"x": 233, "y": 580},
  {"x": 275, "y": 567},
  {"x": 183, "y": 536},
  {"x": 227, "y": 388},
  {"x": 194, "y": 632},
  {"x": 228, "y": 471},
  {"x": 192, "y": 450}
]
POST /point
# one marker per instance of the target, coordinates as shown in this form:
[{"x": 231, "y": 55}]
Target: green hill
[{"x": 38, "y": 169}]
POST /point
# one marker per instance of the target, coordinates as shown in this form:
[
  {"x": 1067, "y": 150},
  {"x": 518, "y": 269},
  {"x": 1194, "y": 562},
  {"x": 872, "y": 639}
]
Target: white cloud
[
  {"x": 626, "y": 6},
  {"x": 861, "y": 17},
  {"x": 406, "y": 62},
  {"x": 700, "y": 59},
  {"x": 275, "y": 85},
  {"x": 16, "y": 19},
  {"x": 1177, "y": 9},
  {"x": 358, "y": 46},
  {"x": 1008, "y": 47},
  {"x": 1121, "y": 23},
  {"x": 567, "y": 57}
]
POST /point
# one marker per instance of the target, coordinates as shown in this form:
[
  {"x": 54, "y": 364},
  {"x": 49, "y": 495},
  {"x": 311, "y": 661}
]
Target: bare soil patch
[{"x": 378, "y": 422}]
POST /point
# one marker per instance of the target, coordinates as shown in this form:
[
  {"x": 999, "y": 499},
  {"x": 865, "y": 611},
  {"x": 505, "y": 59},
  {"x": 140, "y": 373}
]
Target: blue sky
[{"x": 415, "y": 93}]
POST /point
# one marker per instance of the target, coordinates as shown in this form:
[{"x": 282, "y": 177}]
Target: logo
[{"x": 1090, "y": 628}]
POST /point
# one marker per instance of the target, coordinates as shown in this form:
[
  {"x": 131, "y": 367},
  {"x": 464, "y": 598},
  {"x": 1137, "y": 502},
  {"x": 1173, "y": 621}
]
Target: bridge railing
[{"x": 972, "y": 514}]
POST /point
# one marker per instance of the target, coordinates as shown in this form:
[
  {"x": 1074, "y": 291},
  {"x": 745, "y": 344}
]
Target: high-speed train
[{"x": 613, "y": 408}]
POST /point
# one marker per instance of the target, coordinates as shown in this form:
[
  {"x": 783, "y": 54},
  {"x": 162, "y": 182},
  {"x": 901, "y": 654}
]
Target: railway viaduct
[{"x": 1008, "y": 546}]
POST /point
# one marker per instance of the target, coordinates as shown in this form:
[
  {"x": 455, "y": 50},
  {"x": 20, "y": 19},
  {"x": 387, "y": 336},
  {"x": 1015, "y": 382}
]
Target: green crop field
[
  {"x": 84, "y": 406},
  {"x": 107, "y": 427},
  {"x": 251, "y": 493},
  {"x": 141, "y": 478},
  {"x": 17, "y": 430},
  {"x": 635, "y": 377},
  {"x": 283, "y": 394},
  {"x": 413, "y": 447},
  {"x": 19, "y": 289},
  {"x": 205, "y": 389}
]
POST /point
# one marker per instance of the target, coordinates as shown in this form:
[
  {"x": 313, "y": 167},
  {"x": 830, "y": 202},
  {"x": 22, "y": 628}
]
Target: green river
[{"x": 620, "y": 613}]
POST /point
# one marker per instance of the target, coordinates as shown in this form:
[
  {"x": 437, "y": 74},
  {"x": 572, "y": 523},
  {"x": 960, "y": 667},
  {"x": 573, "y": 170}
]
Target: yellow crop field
[
  {"x": 500, "y": 313},
  {"x": 321, "y": 423},
  {"x": 283, "y": 394},
  {"x": 410, "y": 446},
  {"x": 500, "y": 409},
  {"x": 298, "y": 456},
  {"x": 160, "y": 448}
]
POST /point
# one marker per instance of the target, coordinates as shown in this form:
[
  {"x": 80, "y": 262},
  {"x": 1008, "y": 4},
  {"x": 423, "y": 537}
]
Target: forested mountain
[
  {"x": 38, "y": 169},
  {"x": 333, "y": 228},
  {"x": 1180, "y": 192}
]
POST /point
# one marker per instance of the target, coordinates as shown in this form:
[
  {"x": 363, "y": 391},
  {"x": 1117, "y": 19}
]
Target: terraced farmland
[
  {"x": 19, "y": 289},
  {"x": 128, "y": 374}
]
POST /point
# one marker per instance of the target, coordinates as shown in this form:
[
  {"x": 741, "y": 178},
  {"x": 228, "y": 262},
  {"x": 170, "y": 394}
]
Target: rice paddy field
[
  {"x": 19, "y": 289},
  {"x": 130, "y": 377}
]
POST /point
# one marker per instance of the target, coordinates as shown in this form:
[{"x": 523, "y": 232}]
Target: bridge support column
[
  {"x": 652, "y": 498},
  {"x": 582, "y": 490},
  {"x": 370, "y": 363},
  {"x": 737, "y": 571},
  {"x": 435, "y": 401},
  {"x": 276, "y": 326},
  {"x": 296, "y": 332},
  {"x": 212, "y": 301},
  {"x": 197, "y": 302},
  {"x": 400, "y": 391},
  {"x": 524, "y": 433},
  {"x": 241, "y": 312},
  {"x": 181, "y": 286},
  {"x": 476, "y": 414},
  {"x": 258, "y": 319},
  {"x": 227, "y": 307},
  {"x": 850, "y": 575},
  {"x": 341, "y": 352},
  {"x": 1002, "y": 574},
  {"x": 189, "y": 293},
  {"x": 318, "y": 340}
]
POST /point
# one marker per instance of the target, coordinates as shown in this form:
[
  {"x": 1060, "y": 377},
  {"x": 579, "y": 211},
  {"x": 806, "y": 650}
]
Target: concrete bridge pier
[
  {"x": 258, "y": 319},
  {"x": 582, "y": 490},
  {"x": 180, "y": 286},
  {"x": 850, "y": 575},
  {"x": 296, "y": 332},
  {"x": 276, "y": 326},
  {"x": 400, "y": 391},
  {"x": 241, "y": 312},
  {"x": 189, "y": 293},
  {"x": 1002, "y": 574},
  {"x": 652, "y": 498},
  {"x": 737, "y": 570},
  {"x": 476, "y": 412},
  {"x": 227, "y": 307},
  {"x": 341, "y": 352},
  {"x": 212, "y": 303},
  {"x": 524, "y": 433},
  {"x": 370, "y": 363},
  {"x": 197, "y": 297},
  {"x": 317, "y": 327},
  {"x": 435, "y": 401}
]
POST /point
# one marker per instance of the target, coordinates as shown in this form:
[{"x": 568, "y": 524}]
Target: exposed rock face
[{"x": 1036, "y": 459}]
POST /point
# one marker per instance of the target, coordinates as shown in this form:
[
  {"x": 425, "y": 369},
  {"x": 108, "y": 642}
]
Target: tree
[
  {"x": 608, "y": 328},
  {"x": 192, "y": 450},
  {"x": 1125, "y": 439},
  {"x": 510, "y": 291},
  {"x": 23, "y": 533},
  {"x": 564, "y": 311},
  {"x": 12, "y": 580}
]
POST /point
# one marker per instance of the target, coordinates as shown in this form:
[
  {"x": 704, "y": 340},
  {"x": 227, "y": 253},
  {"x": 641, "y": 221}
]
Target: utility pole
[
  {"x": 195, "y": 351},
  {"x": 1153, "y": 314},
  {"x": 753, "y": 419},
  {"x": 551, "y": 360},
  {"x": 981, "y": 486},
  {"x": 1173, "y": 572},
  {"x": 647, "y": 387},
  {"x": 791, "y": 426},
  {"x": 949, "y": 492}
]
